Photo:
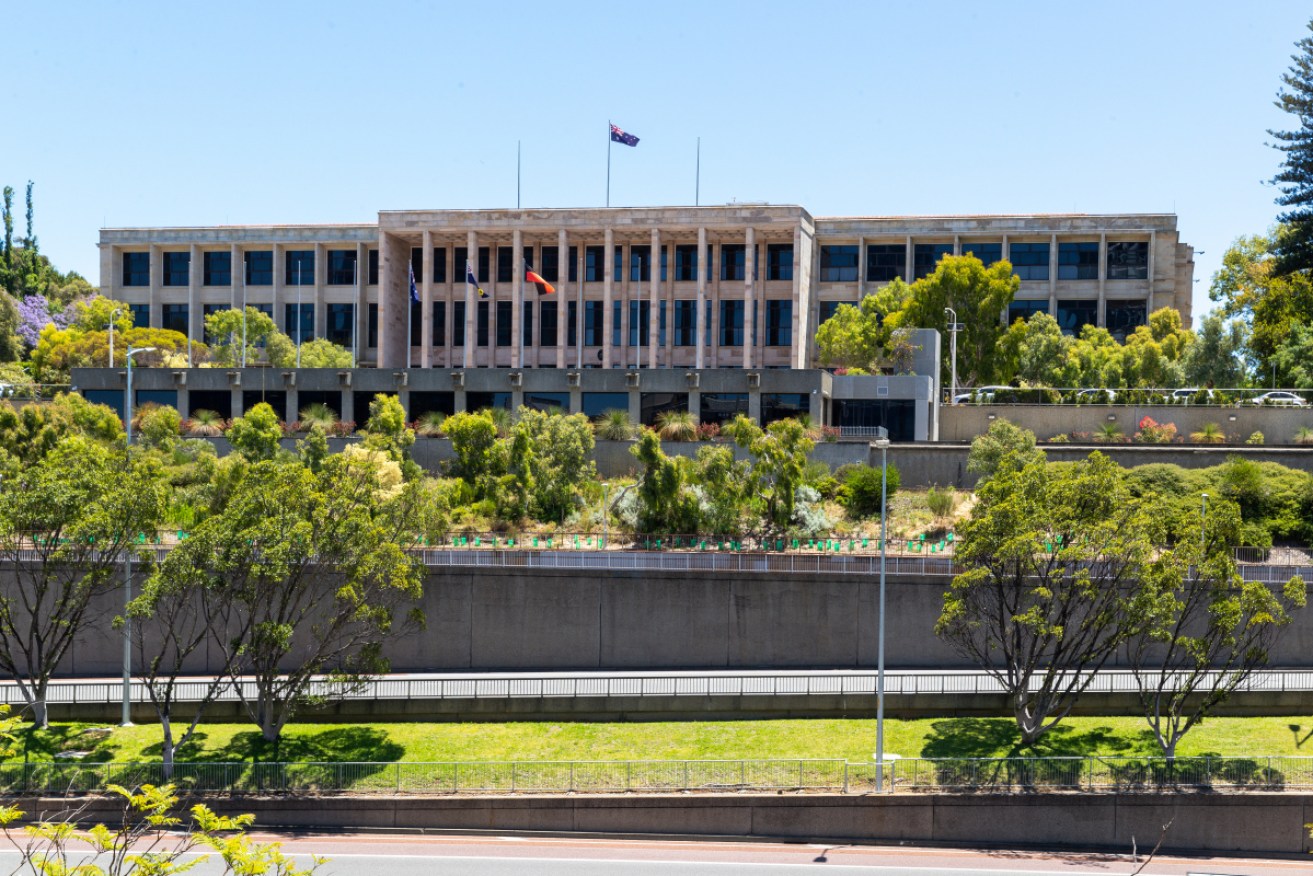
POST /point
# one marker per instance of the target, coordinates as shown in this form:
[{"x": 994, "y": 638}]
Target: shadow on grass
[
  {"x": 999, "y": 737},
  {"x": 37, "y": 744},
  {"x": 338, "y": 745}
]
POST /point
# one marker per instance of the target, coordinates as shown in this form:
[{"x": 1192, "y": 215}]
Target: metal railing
[
  {"x": 633, "y": 685},
  {"x": 911, "y": 775}
]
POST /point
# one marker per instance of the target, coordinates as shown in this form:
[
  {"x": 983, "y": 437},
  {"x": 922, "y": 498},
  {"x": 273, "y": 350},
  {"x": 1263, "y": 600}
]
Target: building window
[
  {"x": 140, "y": 315},
  {"x": 458, "y": 323},
  {"x": 926, "y": 256},
  {"x": 665, "y": 253},
  {"x": 594, "y": 264},
  {"x": 839, "y": 264},
  {"x": 136, "y": 269},
  {"x": 206, "y": 311},
  {"x": 1075, "y": 315},
  {"x": 779, "y": 323},
  {"x": 259, "y": 268},
  {"x": 830, "y": 308},
  {"x": 505, "y": 264},
  {"x": 686, "y": 263},
  {"x": 547, "y": 323},
  {"x": 731, "y": 323},
  {"x": 481, "y": 324},
  {"x": 640, "y": 264},
  {"x": 1128, "y": 260},
  {"x": 504, "y": 323},
  {"x": 342, "y": 323},
  {"x": 371, "y": 335},
  {"x": 177, "y": 268},
  {"x": 177, "y": 318},
  {"x": 733, "y": 261},
  {"x": 1030, "y": 261},
  {"x": 217, "y": 269},
  {"x": 526, "y": 325},
  {"x": 1124, "y": 317},
  {"x": 439, "y": 264},
  {"x": 615, "y": 323},
  {"x": 721, "y": 407},
  {"x": 885, "y": 262},
  {"x": 572, "y": 269},
  {"x": 373, "y": 267},
  {"x": 593, "y": 323},
  {"x": 783, "y": 406},
  {"x": 485, "y": 260},
  {"x": 439, "y": 333},
  {"x": 341, "y": 267},
  {"x": 640, "y": 323},
  {"x": 300, "y": 267},
  {"x": 779, "y": 261},
  {"x": 301, "y": 330},
  {"x": 989, "y": 253},
  {"x": 549, "y": 263},
  {"x": 595, "y": 404},
  {"x": 571, "y": 324},
  {"x": 618, "y": 264},
  {"x": 1025, "y": 309},
  {"x": 1078, "y": 261},
  {"x": 416, "y": 322}
]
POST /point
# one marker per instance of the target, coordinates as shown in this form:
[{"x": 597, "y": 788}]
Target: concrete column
[
  {"x": 1053, "y": 276},
  {"x": 293, "y": 404},
  {"x": 754, "y": 405},
  {"x": 156, "y": 282},
  {"x": 321, "y": 281},
  {"x": 623, "y": 297},
  {"x": 184, "y": 403},
  {"x": 1148, "y": 303},
  {"x": 861, "y": 268},
  {"x": 426, "y": 304},
  {"x": 349, "y": 405},
  {"x": 713, "y": 277},
  {"x": 635, "y": 405},
  {"x": 700, "y": 345},
  {"x": 276, "y": 290},
  {"x": 695, "y": 404},
  {"x": 1101, "y": 314},
  {"x": 749, "y": 266},
  {"x": 799, "y": 350},
  {"x": 460, "y": 401},
  {"x": 957, "y": 244},
  {"x": 195, "y": 321},
  {"x": 909, "y": 269},
  {"x": 608, "y": 265},
  {"x": 472, "y": 249},
  {"x": 360, "y": 316},
  {"x": 238, "y": 275},
  {"x": 235, "y": 401},
  {"x": 455, "y": 275},
  {"x": 654, "y": 301},
  {"x": 562, "y": 308},
  {"x": 517, "y": 298}
]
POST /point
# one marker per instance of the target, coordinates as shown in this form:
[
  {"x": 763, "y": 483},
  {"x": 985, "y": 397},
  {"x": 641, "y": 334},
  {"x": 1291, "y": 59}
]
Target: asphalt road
[{"x": 412, "y": 855}]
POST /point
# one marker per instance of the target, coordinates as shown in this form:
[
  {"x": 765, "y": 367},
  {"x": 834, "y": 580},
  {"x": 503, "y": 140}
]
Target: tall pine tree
[{"x": 1294, "y": 245}]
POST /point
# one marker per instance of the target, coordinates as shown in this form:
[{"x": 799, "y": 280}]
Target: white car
[
  {"x": 1096, "y": 396},
  {"x": 1278, "y": 397},
  {"x": 1186, "y": 395},
  {"x": 981, "y": 394}
]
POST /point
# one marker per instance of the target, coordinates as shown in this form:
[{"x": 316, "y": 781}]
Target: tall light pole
[
  {"x": 298, "y": 313},
  {"x": 883, "y": 443},
  {"x": 952, "y": 329},
  {"x": 112, "y": 317},
  {"x": 127, "y": 564}
]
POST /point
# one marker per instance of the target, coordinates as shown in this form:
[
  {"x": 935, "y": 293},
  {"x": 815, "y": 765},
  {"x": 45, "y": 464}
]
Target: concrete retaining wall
[
  {"x": 1264, "y": 823},
  {"x": 1278, "y": 425}
]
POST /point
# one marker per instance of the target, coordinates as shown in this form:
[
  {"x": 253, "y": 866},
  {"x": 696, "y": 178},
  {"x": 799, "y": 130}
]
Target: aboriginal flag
[
  {"x": 619, "y": 136},
  {"x": 544, "y": 288}
]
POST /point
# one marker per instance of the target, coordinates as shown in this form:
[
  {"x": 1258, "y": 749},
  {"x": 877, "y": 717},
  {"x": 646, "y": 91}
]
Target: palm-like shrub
[
  {"x": 316, "y": 415},
  {"x": 614, "y": 425},
  {"x": 205, "y": 423},
  {"x": 676, "y": 426},
  {"x": 1109, "y": 433},
  {"x": 1210, "y": 433},
  {"x": 429, "y": 424}
]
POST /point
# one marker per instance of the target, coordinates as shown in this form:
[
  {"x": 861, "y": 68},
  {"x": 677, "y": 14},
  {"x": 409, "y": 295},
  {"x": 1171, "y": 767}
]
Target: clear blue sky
[{"x": 150, "y": 114}]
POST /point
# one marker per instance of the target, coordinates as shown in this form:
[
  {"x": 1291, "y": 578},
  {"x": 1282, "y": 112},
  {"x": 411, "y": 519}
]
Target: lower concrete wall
[{"x": 1265, "y": 823}]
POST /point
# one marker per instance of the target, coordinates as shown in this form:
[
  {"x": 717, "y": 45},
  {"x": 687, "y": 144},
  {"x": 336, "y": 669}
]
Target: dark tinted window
[
  {"x": 341, "y": 267},
  {"x": 986, "y": 252},
  {"x": 1024, "y": 309},
  {"x": 839, "y": 264},
  {"x": 1078, "y": 261},
  {"x": 779, "y": 323},
  {"x": 136, "y": 269},
  {"x": 733, "y": 261},
  {"x": 217, "y": 269},
  {"x": 300, "y": 267},
  {"x": 1030, "y": 261},
  {"x": 177, "y": 268},
  {"x": 176, "y": 317},
  {"x": 779, "y": 261},
  {"x": 341, "y": 323},
  {"x": 926, "y": 256},
  {"x": 1075, "y": 315},
  {"x": 260, "y": 268},
  {"x": 885, "y": 262},
  {"x": 1128, "y": 260}
]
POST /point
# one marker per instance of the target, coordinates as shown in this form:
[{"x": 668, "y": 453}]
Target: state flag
[{"x": 472, "y": 280}]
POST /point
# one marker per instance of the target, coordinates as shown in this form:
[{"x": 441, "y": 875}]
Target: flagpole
[
  {"x": 410, "y": 315},
  {"x": 517, "y": 174},
  {"x": 608, "y": 164},
  {"x": 697, "y": 178}
]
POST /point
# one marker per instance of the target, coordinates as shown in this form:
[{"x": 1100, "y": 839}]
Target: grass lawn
[{"x": 829, "y": 738}]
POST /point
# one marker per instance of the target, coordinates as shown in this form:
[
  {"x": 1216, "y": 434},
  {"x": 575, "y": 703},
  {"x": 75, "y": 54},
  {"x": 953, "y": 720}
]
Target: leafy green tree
[
  {"x": 1037, "y": 352},
  {"x": 1208, "y": 629},
  {"x": 1268, "y": 303},
  {"x": 549, "y": 461},
  {"x": 978, "y": 295},
  {"x": 1096, "y": 359},
  {"x": 863, "y": 489},
  {"x": 314, "y": 566},
  {"x": 1153, "y": 354},
  {"x": 1004, "y": 442},
  {"x": 857, "y": 337},
  {"x": 480, "y": 457},
  {"x": 94, "y": 314},
  {"x": 666, "y": 505},
  {"x": 159, "y": 427},
  {"x": 1294, "y": 247},
  {"x": 28, "y": 433},
  {"x": 60, "y": 350},
  {"x": 256, "y": 434},
  {"x": 386, "y": 429},
  {"x": 1293, "y": 358},
  {"x": 776, "y": 469},
  {"x": 1054, "y": 557},
  {"x": 67, "y": 521},
  {"x": 323, "y": 353},
  {"x": 224, "y": 329},
  {"x": 723, "y": 487},
  {"x": 1217, "y": 357}
]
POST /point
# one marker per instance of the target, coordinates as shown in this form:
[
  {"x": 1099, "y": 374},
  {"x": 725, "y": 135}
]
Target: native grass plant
[
  {"x": 316, "y": 414},
  {"x": 1304, "y": 435},
  {"x": 1109, "y": 433},
  {"x": 1209, "y": 433},
  {"x": 614, "y": 425},
  {"x": 204, "y": 423},
  {"x": 676, "y": 426},
  {"x": 429, "y": 424},
  {"x": 1255, "y": 438},
  {"x": 1150, "y": 431},
  {"x": 941, "y": 502}
]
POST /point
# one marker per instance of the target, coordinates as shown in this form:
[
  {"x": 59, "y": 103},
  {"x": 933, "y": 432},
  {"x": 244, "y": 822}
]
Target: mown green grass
[{"x": 539, "y": 741}]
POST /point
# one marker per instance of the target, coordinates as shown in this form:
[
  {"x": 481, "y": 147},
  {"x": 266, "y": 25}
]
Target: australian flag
[
  {"x": 619, "y": 136},
  {"x": 414, "y": 293}
]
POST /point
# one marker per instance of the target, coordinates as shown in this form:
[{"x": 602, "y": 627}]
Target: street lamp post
[
  {"x": 127, "y": 564},
  {"x": 883, "y": 443},
  {"x": 952, "y": 329}
]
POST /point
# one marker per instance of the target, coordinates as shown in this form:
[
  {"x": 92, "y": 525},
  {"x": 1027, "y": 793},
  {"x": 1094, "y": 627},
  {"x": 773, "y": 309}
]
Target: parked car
[
  {"x": 1277, "y": 397},
  {"x": 1186, "y": 395},
  {"x": 979, "y": 395},
  {"x": 1096, "y": 396}
]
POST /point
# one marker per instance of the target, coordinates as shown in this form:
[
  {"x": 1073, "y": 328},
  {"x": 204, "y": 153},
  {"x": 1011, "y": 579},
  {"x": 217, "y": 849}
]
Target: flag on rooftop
[
  {"x": 544, "y": 288},
  {"x": 619, "y": 136},
  {"x": 414, "y": 293},
  {"x": 472, "y": 280}
]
